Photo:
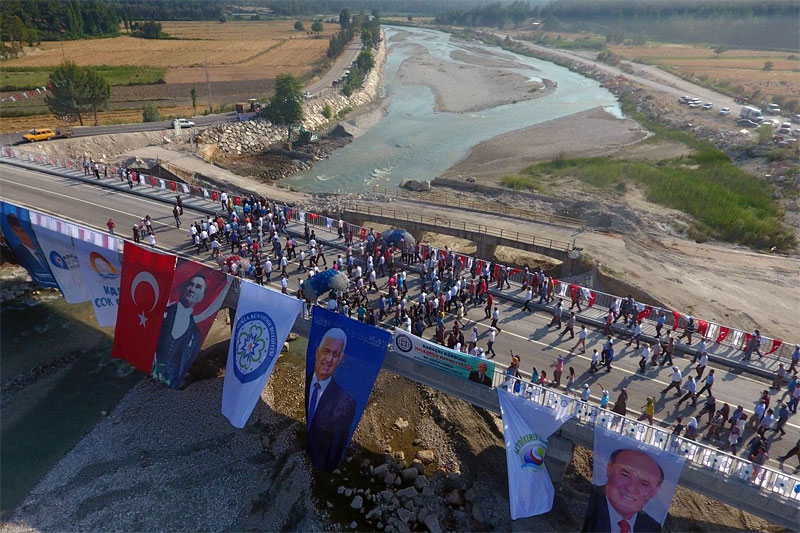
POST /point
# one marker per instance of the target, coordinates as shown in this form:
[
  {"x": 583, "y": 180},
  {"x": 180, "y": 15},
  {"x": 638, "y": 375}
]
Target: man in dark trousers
[
  {"x": 329, "y": 408},
  {"x": 634, "y": 478}
]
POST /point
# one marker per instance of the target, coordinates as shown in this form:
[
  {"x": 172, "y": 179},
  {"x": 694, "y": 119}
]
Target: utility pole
[{"x": 208, "y": 80}]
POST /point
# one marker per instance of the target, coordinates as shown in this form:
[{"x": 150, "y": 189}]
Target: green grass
[
  {"x": 726, "y": 202},
  {"x": 523, "y": 183},
  {"x": 27, "y": 78}
]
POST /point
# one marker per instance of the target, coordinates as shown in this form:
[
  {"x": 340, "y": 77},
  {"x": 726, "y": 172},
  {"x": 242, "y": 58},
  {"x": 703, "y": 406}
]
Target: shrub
[
  {"x": 151, "y": 113},
  {"x": 327, "y": 112}
]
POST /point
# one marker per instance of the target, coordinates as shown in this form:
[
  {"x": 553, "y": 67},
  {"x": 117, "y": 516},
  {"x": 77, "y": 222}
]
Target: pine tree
[{"x": 66, "y": 98}]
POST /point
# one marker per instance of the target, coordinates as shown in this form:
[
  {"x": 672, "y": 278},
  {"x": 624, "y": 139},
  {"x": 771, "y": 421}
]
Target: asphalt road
[{"x": 525, "y": 333}]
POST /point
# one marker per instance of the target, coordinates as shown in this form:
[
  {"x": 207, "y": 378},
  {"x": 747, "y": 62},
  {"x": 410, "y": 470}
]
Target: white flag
[
  {"x": 185, "y": 188},
  {"x": 302, "y": 216},
  {"x": 263, "y": 320},
  {"x": 161, "y": 183},
  {"x": 562, "y": 288},
  {"x": 328, "y": 222},
  {"x": 101, "y": 266},
  {"x": 55, "y": 239},
  {"x": 526, "y": 428}
]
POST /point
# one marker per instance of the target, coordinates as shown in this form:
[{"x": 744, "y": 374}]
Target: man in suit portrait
[
  {"x": 27, "y": 251},
  {"x": 633, "y": 478},
  {"x": 180, "y": 339},
  {"x": 329, "y": 408},
  {"x": 479, "y": 376}
]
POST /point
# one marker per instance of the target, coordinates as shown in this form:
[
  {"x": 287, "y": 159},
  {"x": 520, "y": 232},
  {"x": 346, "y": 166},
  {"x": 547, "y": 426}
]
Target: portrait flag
[
  {"x": 263, "y": 320},
  {"x": 55, "y": 238},
  {"x": 342, "y": 362},
  {"x": 15, "y": 225},
  {"x": 632, "y": 481},
  {"x": 144, "y": 290},
  {"x": 98, "y": 255},
  {"x": 526, "y": 427},
  {"x": 199, "y": 292}
]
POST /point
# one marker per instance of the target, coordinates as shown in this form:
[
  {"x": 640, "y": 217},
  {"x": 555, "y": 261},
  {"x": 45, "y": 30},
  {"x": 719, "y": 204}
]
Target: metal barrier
[
  {"x": 701, "y": 455},
  {"x": 483, "y": 206}
]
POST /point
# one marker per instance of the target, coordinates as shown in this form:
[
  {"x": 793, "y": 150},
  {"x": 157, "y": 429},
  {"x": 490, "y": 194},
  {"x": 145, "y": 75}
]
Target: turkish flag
[
  {"x": 363, "y": 234},
  {"x": 775, "y": 345},
  {"x": 676, "y": 320},
  {"x": 214, "y": 195},
  {"x": 237, "y": 200},
  {"x": 573, "y": 289},
  {"x": 702, "y": 327},
  {"x": 153, "y": 181},
  {"x": 143, "y": 293},
  {"x": 747, "y": 338},
  {"x": 644, "y": 313},
  {"x": 291, "y": 212},
  {"x": 723, "y": 334},
  {"x": 172, "y": 186}
]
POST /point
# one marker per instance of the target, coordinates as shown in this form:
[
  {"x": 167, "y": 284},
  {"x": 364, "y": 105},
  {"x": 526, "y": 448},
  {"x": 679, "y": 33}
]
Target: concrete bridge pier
[
  {"x": 571, "y": 263},
  {"x": 559, "y": 456},
  {"x": 485, "y": 249}
]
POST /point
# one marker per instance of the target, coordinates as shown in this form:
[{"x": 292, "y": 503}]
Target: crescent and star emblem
[{"x": 144, "y": 277}]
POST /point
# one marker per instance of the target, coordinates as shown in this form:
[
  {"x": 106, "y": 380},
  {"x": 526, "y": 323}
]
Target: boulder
[
  {"x": 408, "y": 492},
  {"x": 454, "y": 498},
  {"x": 357, "y": 503},
  {"x": 401, "y": 424},
  {"x": 404, "y": 515},
  {"x": 410, "y": 474},
  {"x": 421, "y": 482},
  {"x": 374, "y": 513},
  {"x": 380, "y": 470},
  {"x": 432, "y": 523},
  {"x": 389, "y": 478},
  {"x": 425, "y": 456}
]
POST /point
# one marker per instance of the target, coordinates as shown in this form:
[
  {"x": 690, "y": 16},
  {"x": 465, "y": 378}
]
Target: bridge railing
[
  {"x": 725, "y": 465},
  {"x": 446, "y": 222},
  {"x": 448, "y": 199}
]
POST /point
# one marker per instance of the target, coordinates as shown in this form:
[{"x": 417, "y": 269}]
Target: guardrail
[
  {"x": 730, "y": 467},
  {"x": 483, "y": 206},
  {"x": 463, "y": 225}
]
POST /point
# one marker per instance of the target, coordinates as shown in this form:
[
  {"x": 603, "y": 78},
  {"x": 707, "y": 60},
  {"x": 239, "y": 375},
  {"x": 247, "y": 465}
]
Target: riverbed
[{"x": 424, "y": 131}]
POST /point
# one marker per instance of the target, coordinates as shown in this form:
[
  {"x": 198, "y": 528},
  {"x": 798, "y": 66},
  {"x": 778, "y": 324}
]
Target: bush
[
  {"x": 151, "y": 113},
  {"x": 298, "y": 25},
  {"x": 327, "y": 112}
]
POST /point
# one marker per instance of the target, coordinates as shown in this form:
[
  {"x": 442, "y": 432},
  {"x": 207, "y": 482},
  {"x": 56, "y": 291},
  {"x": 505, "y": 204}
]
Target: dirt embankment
[
  {"x": 461, "y": 88},
  {"x": 418, "y": 458}
]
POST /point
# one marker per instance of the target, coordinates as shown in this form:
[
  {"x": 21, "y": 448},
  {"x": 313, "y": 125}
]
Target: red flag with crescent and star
[{"x": 143, "y": 294}]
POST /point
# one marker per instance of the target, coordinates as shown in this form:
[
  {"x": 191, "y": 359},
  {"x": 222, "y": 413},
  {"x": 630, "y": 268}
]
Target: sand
[
  {"x": 463, "y": 88},
  {"x": 590, "y": 133}
]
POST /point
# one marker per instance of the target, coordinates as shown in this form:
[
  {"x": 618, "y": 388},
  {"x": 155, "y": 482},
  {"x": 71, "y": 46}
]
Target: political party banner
[
  {"x": 99, "y": 258},
  {"x": 15, "y": 224},
  {"x": 197, "y": 293},
  {"x": 144, "y": 290},
  {"x": 457, "y": 363},
  {"x": 263, "y": 320},
  {"x": 632, "y": 484},
  {"x": 526, "y": 427},
  {"x": 55, "y": 237},
  {"x": 343, "y": 360}
]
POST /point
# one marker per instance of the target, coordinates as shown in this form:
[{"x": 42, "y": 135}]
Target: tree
[
  {"x": 721, "y": 49},
  {"x": 768, "y": 65},
  {"x": 193, "y": 94},
  {"x": 764, "y": 134},
  {"x": 286, "y": 105},
  {"x": 96, "y": 92},
  {"x": 410, "y": 18},
  {"x": 317, "y": 27},
  {"x": 367, "y": 38},
  {"x": 365, "y": 61},
  {"x": 150, "y": 113},
  {"x": 298, "y": 25},
  {"x": 344, "y": 18},
  {"x": 66, "y": 98}
]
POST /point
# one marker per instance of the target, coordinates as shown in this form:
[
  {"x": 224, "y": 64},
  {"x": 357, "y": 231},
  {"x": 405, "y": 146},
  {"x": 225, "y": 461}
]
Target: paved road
[
  {"x": 337, "y": 70},
  {"x": 525, "y": 333}
]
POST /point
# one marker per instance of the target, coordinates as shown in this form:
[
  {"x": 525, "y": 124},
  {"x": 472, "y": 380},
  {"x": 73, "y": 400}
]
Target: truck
[
  {"x": 751, "y": 113},
  {"x": 773, "y": 109}
]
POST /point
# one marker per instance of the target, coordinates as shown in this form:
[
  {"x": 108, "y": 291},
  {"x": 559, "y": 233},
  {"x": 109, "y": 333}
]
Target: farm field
[
  {"x": 242, "y": 59},
  {"x": 741, "y": 70}
]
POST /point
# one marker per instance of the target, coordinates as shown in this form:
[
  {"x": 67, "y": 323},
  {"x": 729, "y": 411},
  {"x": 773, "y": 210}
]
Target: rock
[
  {"x": 432, "y": 523},
  {"x": 357, "y": 502},
  {"x": 425, "y": 185},
  {"x": 348, "y": 493},
  {"x": 410, "y": 474},
  {"x": 428, "y": 492},
  {"x": 469, "y": 495},
  {"x": 365, "y": 463},
  {"x": 400, "y": 423},
  {"x": 329, "y": 505},
  {"x": 398, "y": 481},
  {"x": 470, "y": 179},
  {"x": 408, "y": 492},
  {"x": 416, "y": 463},
  {"x": 389, "y": 478},
  {"x": 103, "y": 413},
  {"x": 380, "y": 470},
  {"x": 340, "y": 490},
  {"x": 426, "y": 456},
  {"x": 403, "y": 515},
  {"x": 354, "y": 525},
  {"x": 477, "y": 514},
  {"x": 387, "y": 495},
  {"x": 454, "y": 498},
  {"x": 399, "y": 456},
  {"x": 379, "y": 525},
  {"x": 374, "y": 513},
  {"x": 421, "y": 482}
]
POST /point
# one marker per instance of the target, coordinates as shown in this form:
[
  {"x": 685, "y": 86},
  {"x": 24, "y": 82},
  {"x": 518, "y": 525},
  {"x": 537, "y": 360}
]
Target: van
[{"x": 773, "y": 109}]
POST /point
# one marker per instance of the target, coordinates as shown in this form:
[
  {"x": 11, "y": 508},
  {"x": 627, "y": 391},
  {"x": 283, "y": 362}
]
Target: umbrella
[
  {"x": 394, "y": 236},
  {"x": 323, "y": 282}
]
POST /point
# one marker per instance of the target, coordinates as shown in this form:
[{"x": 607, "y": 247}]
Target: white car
[
  {"x": 707, "y": 106},
  {"x": 182, "y": 123},
  {"x": 307, "y": 95},
  {"x": 694, "y": 105},
  {"x": 725, "y": 111}
]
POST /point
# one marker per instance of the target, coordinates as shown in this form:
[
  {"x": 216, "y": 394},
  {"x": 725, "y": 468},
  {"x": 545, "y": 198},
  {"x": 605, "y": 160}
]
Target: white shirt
[
  {"x": 583, "y": 333},
  {"x": 703, "y": 360},
  {"x": 676, "y": 376}
]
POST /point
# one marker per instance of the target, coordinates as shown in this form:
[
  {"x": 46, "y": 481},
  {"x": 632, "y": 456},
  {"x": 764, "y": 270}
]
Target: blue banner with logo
[
  {"x": 457, "y": 363},
  {"x": 101, "y": 265},
  {"x": 56, "y": 241},
  {"x": 15, "y": 224},
  {"x": 526, "y": 427},
  {"x": 343, "y": 360},
  {"x": 264, "y": 318}
]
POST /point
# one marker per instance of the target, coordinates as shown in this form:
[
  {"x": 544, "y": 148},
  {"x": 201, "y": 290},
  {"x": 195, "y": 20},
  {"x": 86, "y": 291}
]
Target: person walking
[
  {"x": 136, "y": 234},
  {"x": 675, "y": 382},
  {"x": 637, "y": 334},
  {"x": 581, "y": 340},
  {"x": 151, "y": 239},
  {"x": 570, "y": 326},
  {"x": 495, "y": 318},
  {"x": 111, "y": 225},
  {"x": 794, "y": 452},
  {"x": 649, "y": 409},
  {"x": 708, "y": 384},
  {"x": 609, "y": 358},
  {"x": 490, "y": 343},
  {"x": 595, "y": 362},
  {"x": 559, "y": 369},
  {"x": 557, "y": 310},
  {"x": 701, "y": 366},
  {"x": 176, "y": 212},
  {"x": 691, "y": 388}
]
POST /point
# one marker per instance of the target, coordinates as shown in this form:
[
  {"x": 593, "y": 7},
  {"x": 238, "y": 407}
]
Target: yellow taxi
[{"x": 39, "y": 134}]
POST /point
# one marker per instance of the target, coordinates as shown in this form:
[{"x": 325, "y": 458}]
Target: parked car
[
  {"x": 746, "y": 123},
  {"x": 694, "y": 105},
  {"x": 683, "y": 99},
  {"x": 39, "y": 134},
  {"x": 725, "y": 111},
  {"x": 182, "y": 123},
  {"x": 795, "y": 132},
  {"x": 707, "y": 106},
  {"x": 796, "y": 119},
  {"x": 773, "y": 109},
  {"x": 787, "y": 142},
  {"x": 307, "y": 95}
]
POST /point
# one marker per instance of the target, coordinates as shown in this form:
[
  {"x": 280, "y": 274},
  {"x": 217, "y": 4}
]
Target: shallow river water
[{"x": 414, "y": 141}]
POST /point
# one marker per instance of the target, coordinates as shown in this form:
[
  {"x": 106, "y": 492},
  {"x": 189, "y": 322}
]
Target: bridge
[{"x": 486, "y": 238}]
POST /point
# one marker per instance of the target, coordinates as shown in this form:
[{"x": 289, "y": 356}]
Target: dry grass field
[
  {"x": 738, "y": 68},
  {"x": 242, "y": 57}
]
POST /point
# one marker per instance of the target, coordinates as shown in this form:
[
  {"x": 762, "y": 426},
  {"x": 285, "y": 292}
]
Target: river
[{"x": 414, "y": 141}]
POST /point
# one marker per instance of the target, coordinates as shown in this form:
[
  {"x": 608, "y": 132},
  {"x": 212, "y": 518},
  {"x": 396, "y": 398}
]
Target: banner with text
[
  {"x": 342, "y": 362},
  {"x": 447, "y": 360},
  {"x": 15, "y": 224},
  {"x": 56, "y": 240},
  {"x": 101, "y": 265},
  {"x": 526, "y": 427},
  {"x": 632, "y": 484}
]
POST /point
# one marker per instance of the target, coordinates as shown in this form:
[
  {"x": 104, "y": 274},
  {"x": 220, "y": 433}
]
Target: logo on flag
[
  {"x": 256, "y": 345},
  {"x": 531, "y": 451},
  {"x": 102, "y": 266},
  {"x": 57, "y": 261}
]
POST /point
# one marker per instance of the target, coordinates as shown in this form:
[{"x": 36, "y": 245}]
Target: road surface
[{"x": 527, "y": 334}]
